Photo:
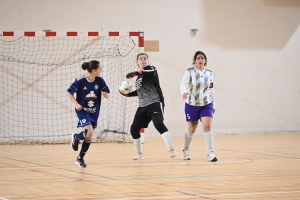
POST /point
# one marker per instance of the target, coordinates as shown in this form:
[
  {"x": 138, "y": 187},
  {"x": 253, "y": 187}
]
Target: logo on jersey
[
  {"x": 91, "y": 104},
  {"x": 85, "y": 88},
  {"x": 96, "y": 87},
  {"x": 90, "y": 96},
  {"x": 90, "y": 110}
]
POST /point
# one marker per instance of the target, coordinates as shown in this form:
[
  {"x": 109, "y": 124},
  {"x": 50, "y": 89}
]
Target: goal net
[{"x": 36, "y": 72}]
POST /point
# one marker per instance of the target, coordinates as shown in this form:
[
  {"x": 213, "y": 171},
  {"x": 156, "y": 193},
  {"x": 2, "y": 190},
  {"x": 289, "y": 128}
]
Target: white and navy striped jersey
[
  {"x": 88, "y": 94},
  {"x": 199, "y": 85}
]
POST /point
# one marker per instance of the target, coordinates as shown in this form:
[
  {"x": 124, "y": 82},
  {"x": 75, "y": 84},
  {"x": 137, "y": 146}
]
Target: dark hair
[
  {"x": 89, "y": 66},
  {"x": 196, "y": 54},
  {"x": 140, "y": 54}
]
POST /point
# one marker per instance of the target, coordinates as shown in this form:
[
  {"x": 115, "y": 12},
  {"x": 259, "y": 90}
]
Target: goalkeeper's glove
[
  {"x": 125, "y": 95},
  {"x": 133, "y": 74}
]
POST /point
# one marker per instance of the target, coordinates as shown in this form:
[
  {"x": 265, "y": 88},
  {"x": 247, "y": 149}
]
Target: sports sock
[
  {"x": 188, "y": 139},
  {"x": 142, "y": 132},
  {"x": 138, "y": 145},
  {"x": 168, "y": 139},
  {"x": 209, "y": 139},
  {"x": 80, "y": 136},
  {"x": 84, "y": 148}
]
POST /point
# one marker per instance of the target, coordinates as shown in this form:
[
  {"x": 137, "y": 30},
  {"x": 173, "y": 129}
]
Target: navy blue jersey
[{"x": 88, "y": 94}]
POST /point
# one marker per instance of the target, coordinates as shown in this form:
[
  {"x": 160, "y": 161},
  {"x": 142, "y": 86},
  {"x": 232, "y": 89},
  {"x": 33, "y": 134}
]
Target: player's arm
[
  {"x": 149, "y": 73},
  {"x": 184, "y": 84},
  {"x": 131, "y": 94},
  {"x": 76, "y": 104},
  {"x": 211, "y": 87},
  {"x": 105, "y": 90},
  {"x": 105, "y": 94},
  {"x": 133, "y": 74}
]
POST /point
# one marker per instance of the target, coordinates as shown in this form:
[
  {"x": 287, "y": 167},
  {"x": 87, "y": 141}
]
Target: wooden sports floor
[{"x": 250, "y": 166}]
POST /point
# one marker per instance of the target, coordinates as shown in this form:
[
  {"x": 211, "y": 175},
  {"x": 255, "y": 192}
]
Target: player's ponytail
[
  {"x": 85, "y": 65},
  {"x": 89, "y": 66}
]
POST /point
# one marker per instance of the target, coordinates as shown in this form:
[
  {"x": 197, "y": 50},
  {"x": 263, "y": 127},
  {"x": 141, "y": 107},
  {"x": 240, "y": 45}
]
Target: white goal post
[{"x": 37, "y": 67}]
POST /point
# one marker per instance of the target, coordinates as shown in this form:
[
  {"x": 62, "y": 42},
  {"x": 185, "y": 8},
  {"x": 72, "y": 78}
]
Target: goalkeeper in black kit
[{"x": 151, "y": 105}]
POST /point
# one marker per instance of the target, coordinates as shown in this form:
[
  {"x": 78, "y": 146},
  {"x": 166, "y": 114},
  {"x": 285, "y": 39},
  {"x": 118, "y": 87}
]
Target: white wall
[{"x": 252, "y": 46}]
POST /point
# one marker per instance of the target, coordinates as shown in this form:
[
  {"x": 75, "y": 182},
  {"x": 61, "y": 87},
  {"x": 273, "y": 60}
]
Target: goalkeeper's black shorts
[{"x": 143, "y": 116}]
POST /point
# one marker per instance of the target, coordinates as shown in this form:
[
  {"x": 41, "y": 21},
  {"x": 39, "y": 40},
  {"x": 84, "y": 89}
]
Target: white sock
[
  {"x": 209, "y": 139},
  {"x": 188, "y": 139},
  {"x": 168, "y": 139},
  {"x": 143, "y": 138},
  {"x": 138, "y": 145}
]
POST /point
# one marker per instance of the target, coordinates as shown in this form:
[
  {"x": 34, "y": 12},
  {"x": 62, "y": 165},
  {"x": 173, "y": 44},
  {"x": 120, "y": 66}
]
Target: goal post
[{"x": 38, "y": 67}]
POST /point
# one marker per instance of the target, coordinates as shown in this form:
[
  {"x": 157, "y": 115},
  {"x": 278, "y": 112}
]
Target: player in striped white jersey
[
  {"x": 88, "y": 88},
  {"x": 197, "y": 90},
  {"x": 151, "y": 104}
]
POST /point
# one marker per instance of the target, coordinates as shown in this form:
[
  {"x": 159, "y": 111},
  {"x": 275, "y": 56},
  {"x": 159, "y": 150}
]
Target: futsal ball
[{"x": 125, "y": 87}]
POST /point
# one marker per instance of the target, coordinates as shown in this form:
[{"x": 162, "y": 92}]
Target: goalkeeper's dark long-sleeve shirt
[{"x": 147, "y": 87}]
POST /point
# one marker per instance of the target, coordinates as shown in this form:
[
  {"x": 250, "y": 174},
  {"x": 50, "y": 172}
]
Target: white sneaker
[
  {"x": 139, "y": 156},
  {"x": 173, "y": 153},
  {"x": 186, "y": 154},
  {"x": 212, "y": 158}
]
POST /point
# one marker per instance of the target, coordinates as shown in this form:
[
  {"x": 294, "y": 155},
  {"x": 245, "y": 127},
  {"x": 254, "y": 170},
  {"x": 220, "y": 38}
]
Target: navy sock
[
  {"x": 80, "y": 136},
  {"x": 84, "y": 148}
]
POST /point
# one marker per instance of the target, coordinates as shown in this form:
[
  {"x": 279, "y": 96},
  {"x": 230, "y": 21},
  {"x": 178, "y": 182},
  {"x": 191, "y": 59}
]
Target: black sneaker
[
  {"x": 80, "y": 162},
  {"x": 74, "y": 142}
]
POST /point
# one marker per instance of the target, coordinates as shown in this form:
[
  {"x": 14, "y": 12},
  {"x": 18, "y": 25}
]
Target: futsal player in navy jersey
[
  {"x": 88, "y": 88},
  {"x": 198, "y": 92},
  {"x": 151, "y": 104}
]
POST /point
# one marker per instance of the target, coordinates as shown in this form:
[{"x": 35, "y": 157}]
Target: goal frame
[
  {"x": 103, "y": 33},
  {"x": 139, "y": 34}
]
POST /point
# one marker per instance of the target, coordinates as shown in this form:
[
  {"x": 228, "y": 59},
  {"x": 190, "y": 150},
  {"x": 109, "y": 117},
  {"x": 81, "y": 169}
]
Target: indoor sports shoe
[
  {"x": 173, "y": 153},
  {"x": 186, "y": 154},
  {"x": 80, "y": 162},
  {"x": 139, "y": 156},
  {"x": 74, "y": 142},
  {"x": 212, "y": 158}
]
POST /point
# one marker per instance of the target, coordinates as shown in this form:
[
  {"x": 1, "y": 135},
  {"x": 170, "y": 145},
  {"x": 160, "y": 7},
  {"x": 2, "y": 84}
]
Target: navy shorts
[
  {"x": 194, "y": 113},
  {"x": 84, "y": 119}
]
